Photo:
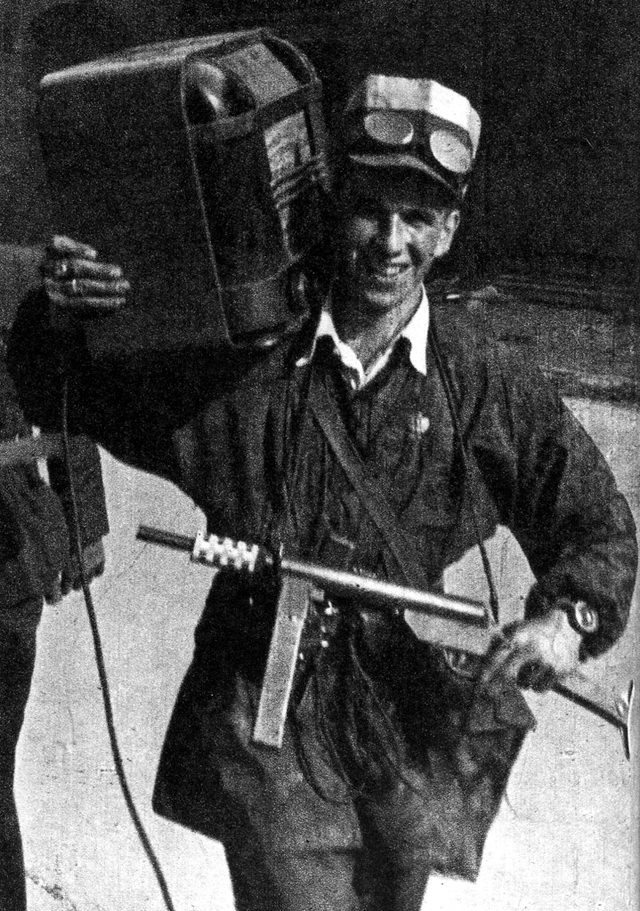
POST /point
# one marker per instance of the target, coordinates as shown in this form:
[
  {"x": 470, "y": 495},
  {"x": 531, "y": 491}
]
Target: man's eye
[{"x": 365, "y": 208}]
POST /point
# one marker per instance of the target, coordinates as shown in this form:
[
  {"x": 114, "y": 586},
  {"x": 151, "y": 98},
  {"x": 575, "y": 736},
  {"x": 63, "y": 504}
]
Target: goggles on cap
[{"x": 397, "y": 122}]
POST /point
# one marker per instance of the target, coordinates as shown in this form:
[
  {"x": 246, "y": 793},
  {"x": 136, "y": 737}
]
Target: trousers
[
  {"x": 18, "y": 627},
  {"x": 295, "y": 840}
]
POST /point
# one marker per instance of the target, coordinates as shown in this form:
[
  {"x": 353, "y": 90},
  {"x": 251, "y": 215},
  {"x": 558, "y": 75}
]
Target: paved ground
[
  {"x": 566, "y": 838},
  {"x": 588, "y": 351}
]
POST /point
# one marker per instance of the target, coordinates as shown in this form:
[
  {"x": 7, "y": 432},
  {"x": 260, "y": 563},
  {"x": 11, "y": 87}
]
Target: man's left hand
[{"x": 535, "y": 653}]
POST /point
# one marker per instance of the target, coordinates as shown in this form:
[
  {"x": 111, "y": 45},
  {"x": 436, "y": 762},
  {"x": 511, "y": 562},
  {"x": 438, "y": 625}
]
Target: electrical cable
[{"x": 99, "y": 655}]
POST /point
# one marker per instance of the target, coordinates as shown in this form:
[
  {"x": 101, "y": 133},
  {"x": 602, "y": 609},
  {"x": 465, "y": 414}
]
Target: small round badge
[
  {"x": 389, "y": 128},
  {"x": 449, "y": 151}
]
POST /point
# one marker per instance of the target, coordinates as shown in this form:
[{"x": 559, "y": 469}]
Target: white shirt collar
[{"x": 416, "y": 332}]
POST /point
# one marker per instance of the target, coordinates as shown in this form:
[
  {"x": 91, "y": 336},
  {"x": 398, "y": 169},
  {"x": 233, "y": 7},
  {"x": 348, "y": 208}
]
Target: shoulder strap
[{"x": 377, "y": 506}]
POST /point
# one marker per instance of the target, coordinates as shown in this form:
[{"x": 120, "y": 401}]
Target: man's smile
[{"x": 386, "y": 273}]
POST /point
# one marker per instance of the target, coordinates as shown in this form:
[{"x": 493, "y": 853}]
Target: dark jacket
[
  {"x": 218, "y": 425},
  {"x": 232, "y": 433},
  {"x": 34, "y": 536}
]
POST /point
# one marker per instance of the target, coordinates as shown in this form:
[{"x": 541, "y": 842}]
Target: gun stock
[{"x": 442, "y": 620}]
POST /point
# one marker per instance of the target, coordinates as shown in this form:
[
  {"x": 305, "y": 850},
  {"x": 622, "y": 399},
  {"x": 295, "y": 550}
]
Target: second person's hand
[{"x": 78, "y": 284}]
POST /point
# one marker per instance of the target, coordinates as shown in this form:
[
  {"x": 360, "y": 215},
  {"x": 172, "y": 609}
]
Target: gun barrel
[
  {"x": 165, "y": 538},
  {"x": 337, "y": 583},
  {"x": 376, "y": 593}
]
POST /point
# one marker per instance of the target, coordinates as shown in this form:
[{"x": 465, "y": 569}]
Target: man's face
[{"x": 391, "y": 228}]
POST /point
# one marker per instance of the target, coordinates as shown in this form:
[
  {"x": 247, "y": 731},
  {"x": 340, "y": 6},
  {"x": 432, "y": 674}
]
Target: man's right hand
[{"x": 78, "y": 284}]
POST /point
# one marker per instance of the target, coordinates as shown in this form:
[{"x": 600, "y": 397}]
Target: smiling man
[
  {"x": 398, "y": 205},
  {"x": 393, "y": 225},
  {"x": 395, "y": 755}
]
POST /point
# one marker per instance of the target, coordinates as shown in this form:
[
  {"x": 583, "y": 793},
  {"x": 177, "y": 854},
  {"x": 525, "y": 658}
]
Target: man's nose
[{"x": 391, "y": 233}]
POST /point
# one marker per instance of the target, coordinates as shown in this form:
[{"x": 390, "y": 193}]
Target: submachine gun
[{"x": 456, "y": 624}]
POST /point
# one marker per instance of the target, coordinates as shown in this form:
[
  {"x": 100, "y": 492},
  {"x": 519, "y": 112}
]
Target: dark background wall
[{"x": 557, "y": 192}]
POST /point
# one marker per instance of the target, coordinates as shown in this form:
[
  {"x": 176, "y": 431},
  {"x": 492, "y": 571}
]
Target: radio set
[{"x": 199, "y": 166}]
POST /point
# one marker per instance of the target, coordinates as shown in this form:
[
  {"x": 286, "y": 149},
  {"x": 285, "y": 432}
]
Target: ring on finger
[
  {"x": 62, "y": 269},
  {"x": 74, "y": 288}
]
